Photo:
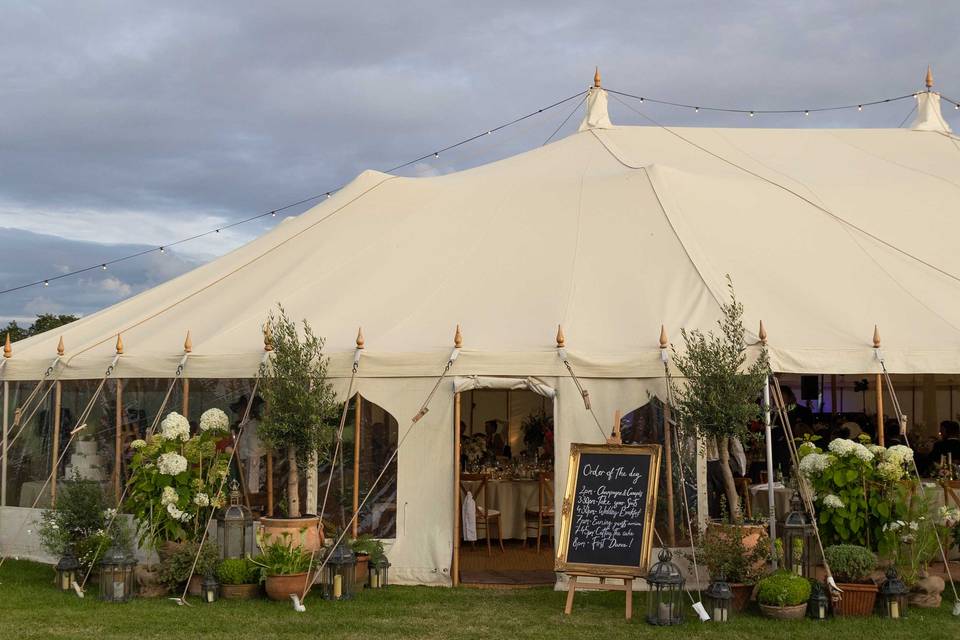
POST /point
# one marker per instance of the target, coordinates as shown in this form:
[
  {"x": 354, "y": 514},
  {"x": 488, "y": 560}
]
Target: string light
[
  {"x": 161, "y": 249},
  {"x": 104, "y": 266},
  {"x": 696, "y": 109},
  {"x": 46, "y": 283},
  {"x": 751, "y": 114},
  {"x": 859, "y": 107},
  {"x": 273, "y": 214}
]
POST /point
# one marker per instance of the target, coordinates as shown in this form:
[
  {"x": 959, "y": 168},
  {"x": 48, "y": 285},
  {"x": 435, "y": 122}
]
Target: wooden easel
[{"x": 626, "y": 587}]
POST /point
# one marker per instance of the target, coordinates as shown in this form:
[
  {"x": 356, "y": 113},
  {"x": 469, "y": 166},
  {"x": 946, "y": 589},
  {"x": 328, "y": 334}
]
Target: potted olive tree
[
  {"x": 718, "y": 394},
  {"x": 300, "y": 407}
]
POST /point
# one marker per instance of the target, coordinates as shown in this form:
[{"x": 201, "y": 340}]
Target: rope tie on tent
[
  {"x": 182, "y": 600},
  {"x": 683, "y": 480},
  {"x": 802, "y": 486},
  {"x": 19, "y": 411},
  {"x": 82, "y": 421},
  {"x": 562, "y": 354},
  {"x": 902, "y": 420},
  {"x": 393, "y": 456},
  {"x": 337, "y": 451},
  {"x": 150, "y": 431}
]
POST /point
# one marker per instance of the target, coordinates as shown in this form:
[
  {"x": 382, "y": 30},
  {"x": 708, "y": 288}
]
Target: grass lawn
[{"x": 31, "y": 608}]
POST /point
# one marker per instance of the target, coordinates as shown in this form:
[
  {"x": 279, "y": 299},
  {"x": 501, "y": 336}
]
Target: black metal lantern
[
  {"x": 719, "y": 598},
  {"x": 798, "y": 540},
  {"x": 377, "y": 570},
  {"x": 818, "y": 606},
  {"x": 894, "y": 594},
  {"x": 210, "y": 588},
  {"x": 67, "y": 570},
  {"x": 665, "y": 602},
  {"x": 340, "y": 573},
  {"x": 235, "y": 527},
  {"x": 116, "y": 576}
]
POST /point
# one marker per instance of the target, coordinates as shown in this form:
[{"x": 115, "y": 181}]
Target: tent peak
[
  {"x": 596, "y": 116},
  {"x": 596, "y": 77},
  {"x": 929, "y": 79},
  {"x": 929, "y": 117}
]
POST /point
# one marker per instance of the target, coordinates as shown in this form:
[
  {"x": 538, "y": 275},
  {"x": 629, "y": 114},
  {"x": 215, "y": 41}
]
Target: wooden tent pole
[
  {"x": 55, "y": 451},
  {"x": 118, "y": 441},
  {"x": 456, "y": 490},
  {"x": 357, "y": 406},
  {"x": 833, "y": 393},
  {"x": 668, "y": 446},
  {"x": 879, "y": 388}
]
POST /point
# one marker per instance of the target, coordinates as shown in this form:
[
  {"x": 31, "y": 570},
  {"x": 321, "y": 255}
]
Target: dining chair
[
  {"x": 485, "y": 515},
  {"x": 541, "y": 518}
]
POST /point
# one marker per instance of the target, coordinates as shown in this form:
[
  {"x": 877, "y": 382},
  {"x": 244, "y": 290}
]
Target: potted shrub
[
  {"x": 739, "y": 553},
  {"x": 783, "y": 596},
  {"x": 175, "y": 567},
  {"x": 300, "y": 406},
  {"x": 851, "y": 566},
  {"x": 283, "y": 565},
  {"x": 718, "y": 393},
  {"x": 365, "y": 548},
  {"x": 239, "y": 579}
]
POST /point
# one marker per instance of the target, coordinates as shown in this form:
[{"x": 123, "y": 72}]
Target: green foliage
[
  {"x": 367, "y": 544},
  {"x": 175, "y": 570},
  {"x": 80, "y": 521},
  {"x": 238, "y": 571},
  {"x": 280, "y": 557},
  {"x": 850, "y": 562},
  {"x": 719, "y": 397},
  {"x": 538, "y": 432},
  {"x": 722, "y": 550},
  {"x": 44, "y": 322},
  {"x": 783, "y": 589},
  {"x": 300, "y": 403}
]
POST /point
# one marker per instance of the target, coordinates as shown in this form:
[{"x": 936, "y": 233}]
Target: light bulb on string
[
  {"x": 104, "y": 266},
  {"x": 328, "y": 194},
  {"x": 751, "y": 114},
  {"x": 859, "y": 107},
  {"x": 46, "y": 283},
  {"x": 436, "y": 154},
  {"x": 161, "y": 250},
  {"x": 273, "y": 214},
  {"x": 696, "y": 109},
  {"x": 806, "y": 113}
]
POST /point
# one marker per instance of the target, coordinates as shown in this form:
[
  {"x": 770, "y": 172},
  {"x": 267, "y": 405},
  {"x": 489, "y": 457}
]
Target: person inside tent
[
  {"x": 947, "y": 448},
  {"x": 495, "y": 444},
  {"x": 800, "y": 418}
]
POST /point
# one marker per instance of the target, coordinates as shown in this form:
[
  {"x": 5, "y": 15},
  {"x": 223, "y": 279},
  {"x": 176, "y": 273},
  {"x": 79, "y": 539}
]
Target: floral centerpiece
[
  {"x": 177, "y": 479},
  {"x": 860, "y": 489},
  {"x": 538, "y": 434}
]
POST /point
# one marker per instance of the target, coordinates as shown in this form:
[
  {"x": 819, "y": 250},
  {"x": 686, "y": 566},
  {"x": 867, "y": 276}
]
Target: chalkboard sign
[{"x": 606, "y": 522}]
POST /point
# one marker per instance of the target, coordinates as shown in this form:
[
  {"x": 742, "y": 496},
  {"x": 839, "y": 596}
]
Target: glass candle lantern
[
  {"x": 235, "y": 527},
  {"x": 818, "y": 606},
  {"x": 894, "y": 596},
  {"x": 339, "y": 573},
  {"x": 665, "y": 601},
  {"x": 377, "y": 570},
  {"x": 67, "y": 569},
  {"x": 799, "y": 539},
  {"x": 210, "y": 588},
  {"x": 116, "y": 576},
  {"x": 719, "y": 600}
]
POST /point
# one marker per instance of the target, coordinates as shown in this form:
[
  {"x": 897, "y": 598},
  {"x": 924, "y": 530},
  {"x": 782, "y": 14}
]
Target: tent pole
[
  {"x": 833, "y": 394},
  {"x": 356, "y": 460},
  {"x": 771, "y": 502},
  {"x": 185, "y": 405},
  {"x": 668, "y": 440},
  {"x": 55, "y": 450},
  {"x": 456, "y": 490},
  {"x": 880, "y": 434},
  {"x": 6, "y": 426},
  {"x": 118, "y": 441}
]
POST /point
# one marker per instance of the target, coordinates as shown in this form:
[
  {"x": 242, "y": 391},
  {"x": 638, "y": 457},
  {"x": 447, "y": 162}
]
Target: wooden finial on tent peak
[
  {"x": 561, "y": 339},
  {"x": 664, "y": 340},
  {"x": 119, "y": 345},
  {"x": 360, "y": 340},
  {"x": 7, "y": 348},
  {"x": 596, "y": 78},
  {"x": 929, "y": 79},
  {"x": 458, "y": 338},
  {"x": 876, "y": 337},
  {"x": 188, "y": 343},
  {"x": 267, "y": 337},
  {"x": 60, "y": 348},
  {"x": 763, "y": 333}
]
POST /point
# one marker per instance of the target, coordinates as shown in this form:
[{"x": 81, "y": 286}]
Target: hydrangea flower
[
  {"x": 890, "y": 471},
  {"x": 175, "y": 427},
  {"x": 814, "y": 463},
  {"x": 138, "y": 444},
  {"x": 844, "y": 448},
  {"x": 171, "y": 464},
  {"x": 833, "y": 502},
  {"x": 948, "y": 516},
  {"x": 214, "y": 420},
  {"x": 899, "y": 454},
  {"x": 177, "y": 514},
  {"x": 169, "y": 496},
  {"x": 201, "y": 500}
]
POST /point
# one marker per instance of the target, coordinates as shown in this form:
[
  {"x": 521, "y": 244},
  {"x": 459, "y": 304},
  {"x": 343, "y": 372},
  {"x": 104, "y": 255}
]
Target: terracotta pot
[
  {"x": 280, "y": 587},
  {"x": 857, "y": 600},
  {"x": 741, "y": 596},
  {"x": 361, "y": 575},
  {"x": 751, "y": 532},
  {"x": 795, "y": 612},
  {"x": 310, "y": 525},
  {"x": 239, "y": 591},
  {"x": 195, "y": 588}
]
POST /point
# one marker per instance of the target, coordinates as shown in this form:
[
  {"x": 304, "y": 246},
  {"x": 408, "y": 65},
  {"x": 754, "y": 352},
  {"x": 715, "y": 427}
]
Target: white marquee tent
[{"x": 610, "y": 233}]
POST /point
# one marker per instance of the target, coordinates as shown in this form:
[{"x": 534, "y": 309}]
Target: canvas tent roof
[{"x": 609, "y": 232}]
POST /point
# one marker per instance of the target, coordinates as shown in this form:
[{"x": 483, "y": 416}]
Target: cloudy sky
[{"x": 128, "y": 124}]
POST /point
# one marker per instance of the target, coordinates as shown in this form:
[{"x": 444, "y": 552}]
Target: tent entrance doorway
[{"x": 504, "y": 483}]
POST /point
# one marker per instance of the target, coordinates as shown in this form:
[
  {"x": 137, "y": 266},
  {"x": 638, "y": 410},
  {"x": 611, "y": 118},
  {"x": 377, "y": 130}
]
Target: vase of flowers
[
  {"x": 538, "y": 434},
  {"x": 177, "y": 480}
]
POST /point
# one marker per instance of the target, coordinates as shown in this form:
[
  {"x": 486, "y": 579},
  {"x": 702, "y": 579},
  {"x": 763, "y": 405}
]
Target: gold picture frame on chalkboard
[{"x": 652, "y": 451}]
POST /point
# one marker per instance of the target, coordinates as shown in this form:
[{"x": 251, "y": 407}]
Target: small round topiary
[
  {"x": 850, "y": 562},
  {"x": 783, "y": 589}
]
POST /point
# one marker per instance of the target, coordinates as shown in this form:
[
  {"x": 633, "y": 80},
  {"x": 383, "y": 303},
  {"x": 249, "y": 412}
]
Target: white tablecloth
[{"x": 511, "y": 498}]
